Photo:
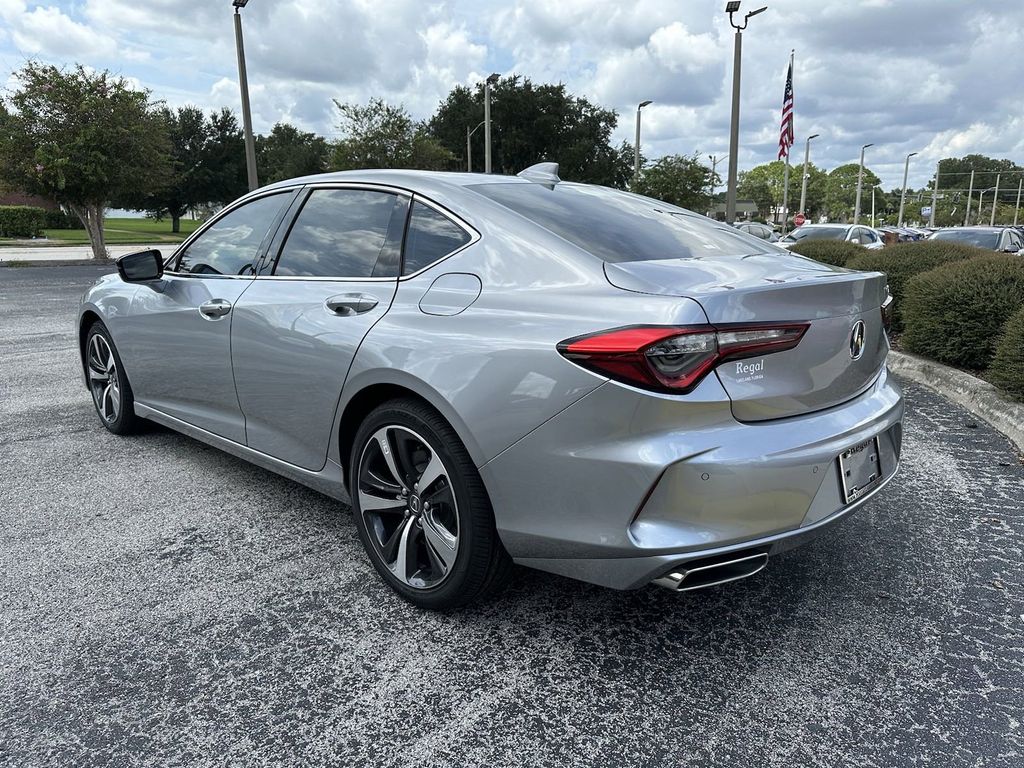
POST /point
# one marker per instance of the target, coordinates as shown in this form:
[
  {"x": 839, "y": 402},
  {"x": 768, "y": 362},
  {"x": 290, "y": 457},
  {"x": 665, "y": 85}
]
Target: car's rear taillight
[
  {"x": 886, "y": 309},
  {"x": 675, "y": 359}
]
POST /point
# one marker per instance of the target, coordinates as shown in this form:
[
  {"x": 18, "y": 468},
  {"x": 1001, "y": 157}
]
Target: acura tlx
[{"x": 499, "y": 370}]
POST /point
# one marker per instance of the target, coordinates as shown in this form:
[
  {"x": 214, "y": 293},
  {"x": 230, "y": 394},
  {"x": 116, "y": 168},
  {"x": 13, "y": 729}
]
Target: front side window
[
  {"x": 816, "y": 233},
  {"x": 431, "y": 237},
  {"x": 231, "y": 245},
  {"x": 345, "y": 233},
  {"x": 982, "y": 239}
]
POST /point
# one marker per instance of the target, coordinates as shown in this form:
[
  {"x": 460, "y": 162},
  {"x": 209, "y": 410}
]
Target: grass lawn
[{"x": 116, "y": 232}]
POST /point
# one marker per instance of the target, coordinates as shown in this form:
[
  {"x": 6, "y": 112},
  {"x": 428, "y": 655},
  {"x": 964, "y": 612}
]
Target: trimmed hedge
[
  {"x": 60, "y": 220},
  {"x": 21, "y": 221},
  {"x": 1007, "y": 371},
  {"x": 954, "y": 313},
  {"x": 834, "y": 252},
  {"x": 901, "y": 261}
]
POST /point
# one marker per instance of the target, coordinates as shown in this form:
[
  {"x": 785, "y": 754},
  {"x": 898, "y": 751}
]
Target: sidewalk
[{"x": 44, "y": 254}]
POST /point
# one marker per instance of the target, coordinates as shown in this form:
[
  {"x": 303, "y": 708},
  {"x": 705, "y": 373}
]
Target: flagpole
[{"x": 785, "y": 177}]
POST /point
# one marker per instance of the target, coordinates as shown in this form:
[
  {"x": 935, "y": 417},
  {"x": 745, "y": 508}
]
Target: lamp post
[
  {"x": 469, "y": 147},
  {"x": 903, "y": 192},
  {"x": 243, "y": 84},
  {"x": 1016, "y": 212},
  {"x": 732, "y": 7},
  {"x": 970, "y": 194},
  {"x": 714, "y": 164},
  {"x": 995, "y": 202},
  {"x": 981, "y": 197},
  {"x": 860, "y": 184},
  {"x": 803, "y": 184},
  {"x": 491, "y": 80},
  {"x": 636, "y": 146}
]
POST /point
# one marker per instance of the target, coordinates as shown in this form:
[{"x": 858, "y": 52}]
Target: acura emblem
[{"x": 857, "y": 340}]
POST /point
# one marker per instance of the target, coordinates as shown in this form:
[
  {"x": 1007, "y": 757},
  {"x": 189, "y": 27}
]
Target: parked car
[
  {"x": 498, "y": 369},
  {"x": 1003, "y": 239},
  {"x": 763, "y": 231},
  {"x": 854, "y": 233}
]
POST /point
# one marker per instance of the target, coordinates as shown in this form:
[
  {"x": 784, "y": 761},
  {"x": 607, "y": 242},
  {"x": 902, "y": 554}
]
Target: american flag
[{"x": 786, "y": 127}]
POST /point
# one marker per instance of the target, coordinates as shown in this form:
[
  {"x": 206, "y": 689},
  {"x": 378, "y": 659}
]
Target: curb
[
  {"x": 22, "y": 263},
  {"x": 977, "y": 396}
]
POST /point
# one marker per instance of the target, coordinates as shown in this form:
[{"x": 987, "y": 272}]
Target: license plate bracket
[{"x": 860, "y": 469}]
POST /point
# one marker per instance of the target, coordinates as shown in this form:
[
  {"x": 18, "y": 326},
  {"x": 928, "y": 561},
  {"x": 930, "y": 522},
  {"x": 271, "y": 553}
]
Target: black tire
[
  {"x": 124, "y": 421},
  {"x": 481, "y": 565}
]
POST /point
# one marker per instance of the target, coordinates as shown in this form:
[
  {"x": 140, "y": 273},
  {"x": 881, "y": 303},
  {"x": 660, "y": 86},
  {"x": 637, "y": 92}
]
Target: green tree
[
  {"x": 288, "y": 152},
  {"x": 534, "y": 123},
  {"x": 86, "y": 139},
  {"x": 680, "y": 180},
  {"x": 841, "y": 192},
  {"x": 378, "y": 135},
  {"x": 225, "y": 156},
  {"x": 189, "y": 182},
  {"x": 764, "y": 185},
  {"x": 955, "y": 172}
]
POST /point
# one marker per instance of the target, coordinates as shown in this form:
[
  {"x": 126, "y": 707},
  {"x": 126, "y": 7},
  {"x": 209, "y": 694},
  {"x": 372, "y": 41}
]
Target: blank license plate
[{"x": 860, "y": 469}]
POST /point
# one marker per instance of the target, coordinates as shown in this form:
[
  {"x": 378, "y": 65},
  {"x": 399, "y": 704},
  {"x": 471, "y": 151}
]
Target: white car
[{"x": 853, "y": 233}]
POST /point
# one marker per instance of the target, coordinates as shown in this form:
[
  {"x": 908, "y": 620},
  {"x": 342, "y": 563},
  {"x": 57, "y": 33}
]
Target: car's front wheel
[
  {"x": 421, "y": 508},
  {"x": 111, "y": 392}
]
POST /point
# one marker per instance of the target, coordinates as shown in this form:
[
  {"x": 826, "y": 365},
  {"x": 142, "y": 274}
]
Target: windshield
[
  {"x": 616, "y": 226},
  {"x": 816, "y": 233},
  {"x": 977, "y": 237}
]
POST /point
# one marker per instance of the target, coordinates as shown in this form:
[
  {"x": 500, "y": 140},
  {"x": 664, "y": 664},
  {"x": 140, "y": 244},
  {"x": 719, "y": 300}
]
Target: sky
[{"x": 938, "y": 77}]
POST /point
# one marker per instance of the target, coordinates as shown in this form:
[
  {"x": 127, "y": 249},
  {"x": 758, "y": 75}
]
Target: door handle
[
  {"x": 214, "y": 308},
  {"x": 347, "y": 304}
]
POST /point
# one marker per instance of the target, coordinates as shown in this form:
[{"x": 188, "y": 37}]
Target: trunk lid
[{"x": 822, "y": 371}]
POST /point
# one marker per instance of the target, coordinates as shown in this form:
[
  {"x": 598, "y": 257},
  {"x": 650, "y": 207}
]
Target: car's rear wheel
[
  {"x": 111, "y": 392},
  {"x": 422, "y": 510}
]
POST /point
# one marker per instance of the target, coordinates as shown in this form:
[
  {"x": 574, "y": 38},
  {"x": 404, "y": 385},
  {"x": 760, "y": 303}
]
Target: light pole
[
  {"x": 491, "y": 80},
  {"x": 1016, "y": 212},
  {"x": 636, "y": 146},
  {"x": 803, "y": 184},
  {"x": 469, "y": 147},
  {"x": 860, "y": 183},
  {"x": 981, "y": 197},
  {"x": 903, "y": 192},
  {"x": 732, "y": 7},
  {"x": 714, "y": 164},
  {"x": 935, "y": 195},
  {"x": 995, "y": 202},
  {"x": 243, "y": 84},
  {"x": 970, "y": 194}
]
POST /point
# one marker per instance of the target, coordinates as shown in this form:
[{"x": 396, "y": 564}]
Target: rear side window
[
  {"x": 232, "y": 243},
  {"x": 345, "y": 233},
  {"x": 431, "y": 237},
  {"x": 616, "y": 226}
]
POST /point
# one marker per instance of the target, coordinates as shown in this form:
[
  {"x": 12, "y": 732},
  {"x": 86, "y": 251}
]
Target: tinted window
[
  {"x": 231, "y": 245},
  {"x": 344, "y": 233},
  {"x": 616, "y": 226},
  {"x": 982, "y": 238},
  {"x": 432, "y": 236},
  {"x": 816, "y": 233}
]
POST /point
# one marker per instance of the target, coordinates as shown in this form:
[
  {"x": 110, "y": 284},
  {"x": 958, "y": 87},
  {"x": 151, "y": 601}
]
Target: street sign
[
  {"x": 926, "y": 210},
  {"x": 798, "y": 220}
]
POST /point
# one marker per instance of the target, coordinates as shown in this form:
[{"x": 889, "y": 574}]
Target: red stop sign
[{"x": 799, "y": 219}]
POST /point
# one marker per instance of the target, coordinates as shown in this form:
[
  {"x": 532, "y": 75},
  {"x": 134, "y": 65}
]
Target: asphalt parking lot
[{"x": 166, "y": 604}]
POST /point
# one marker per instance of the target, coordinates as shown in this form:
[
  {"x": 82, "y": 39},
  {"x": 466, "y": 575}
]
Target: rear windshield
[
  {"x": 616, "y": 227},
  {"x": 816, "y": 233},
  {"x": 980, "y": 238}
]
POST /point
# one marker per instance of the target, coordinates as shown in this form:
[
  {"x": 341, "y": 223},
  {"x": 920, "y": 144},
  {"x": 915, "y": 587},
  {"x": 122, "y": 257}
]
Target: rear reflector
[{"x": 673, "y": 358}]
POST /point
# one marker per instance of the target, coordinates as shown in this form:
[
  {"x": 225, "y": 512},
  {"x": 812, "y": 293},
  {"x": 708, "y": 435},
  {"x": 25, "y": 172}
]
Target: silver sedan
[{"x": 500, "y": 370}]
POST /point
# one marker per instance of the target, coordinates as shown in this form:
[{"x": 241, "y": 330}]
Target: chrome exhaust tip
[{"x": 699, "y": 574}]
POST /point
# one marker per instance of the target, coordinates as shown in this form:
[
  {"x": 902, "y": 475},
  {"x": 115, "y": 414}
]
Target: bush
[
  {"x": 60, "y": 220},
  {"x": 834, "y": 252},
  {"x": 955, "y": 312},
  {"x": 901, "y": 261},
  {"x": 1007, "y": 371},
  {"x": 21, "y": 221}
]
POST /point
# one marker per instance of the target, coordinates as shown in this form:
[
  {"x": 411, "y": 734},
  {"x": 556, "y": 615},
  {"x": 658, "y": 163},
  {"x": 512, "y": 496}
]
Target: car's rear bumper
[{"x": 623, "y": 486}]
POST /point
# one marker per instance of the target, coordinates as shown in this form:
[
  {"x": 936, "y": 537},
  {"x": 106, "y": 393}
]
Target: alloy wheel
[
  {"x": 103, "y": 379},
  {"x": 408, "y": 506}
]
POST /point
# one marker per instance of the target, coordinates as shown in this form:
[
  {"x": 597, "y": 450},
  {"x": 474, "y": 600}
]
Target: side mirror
[{"x": 141, "y": 267}]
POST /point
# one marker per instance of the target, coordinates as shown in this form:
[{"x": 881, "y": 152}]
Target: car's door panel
[
  {"x": 178, "y": 351},
  {"x": 296, "y": 332}
]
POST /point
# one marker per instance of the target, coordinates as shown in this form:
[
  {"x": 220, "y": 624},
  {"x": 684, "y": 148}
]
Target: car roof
[{"x": 402, "y": 177}]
